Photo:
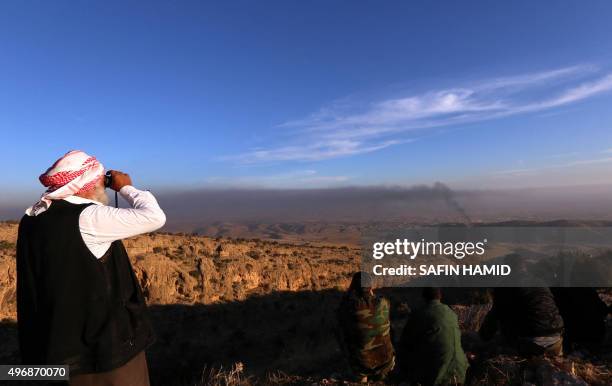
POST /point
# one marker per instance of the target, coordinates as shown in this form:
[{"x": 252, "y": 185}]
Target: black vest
[{"x": 73, "y": 308}]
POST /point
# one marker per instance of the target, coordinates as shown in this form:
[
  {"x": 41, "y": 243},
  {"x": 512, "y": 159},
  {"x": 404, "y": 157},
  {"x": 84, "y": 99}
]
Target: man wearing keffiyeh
[
  {"x": 76, "y": 173},
  {"x": 79, "y": 302}
]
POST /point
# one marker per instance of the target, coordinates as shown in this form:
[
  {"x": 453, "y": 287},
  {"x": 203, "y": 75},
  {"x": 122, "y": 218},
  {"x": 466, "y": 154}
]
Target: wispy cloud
[
  {"x": 302, "y": 178},
  {"x": 324, "y": 179},
  {"x": 345, "y": 130},
  {"x": 562, "y": 155},
  {"x": 573, "y": 94},
  {"x": 316, "y": 151},
  {"x": 590, "y": 161},
  {"x": 537, "y": 170}
]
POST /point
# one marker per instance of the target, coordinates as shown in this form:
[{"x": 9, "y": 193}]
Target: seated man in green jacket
[
  {"x": 430, "y": 351},
  {"x": 365, "y": 331}
]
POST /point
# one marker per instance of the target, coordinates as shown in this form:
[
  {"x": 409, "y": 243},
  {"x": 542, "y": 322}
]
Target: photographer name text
[{"x": 404, "y": 248}]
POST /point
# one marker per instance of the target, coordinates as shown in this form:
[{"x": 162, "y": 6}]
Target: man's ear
[{"x": 88, "y": 194}]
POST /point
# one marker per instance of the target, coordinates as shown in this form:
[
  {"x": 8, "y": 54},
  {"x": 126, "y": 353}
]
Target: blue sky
[{"x": 185, "y": 94}]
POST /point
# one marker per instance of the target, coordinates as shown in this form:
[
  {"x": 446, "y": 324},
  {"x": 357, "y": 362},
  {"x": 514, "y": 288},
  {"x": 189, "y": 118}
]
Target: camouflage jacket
[{"x": 365, "y": 330}]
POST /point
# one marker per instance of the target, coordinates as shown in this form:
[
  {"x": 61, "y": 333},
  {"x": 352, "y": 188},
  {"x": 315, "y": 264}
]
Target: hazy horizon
[{"x": 423, "y": 203}]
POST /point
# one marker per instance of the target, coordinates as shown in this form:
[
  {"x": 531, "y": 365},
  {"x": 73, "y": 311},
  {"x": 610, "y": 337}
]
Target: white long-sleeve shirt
[{"x": 100, "y": 224}]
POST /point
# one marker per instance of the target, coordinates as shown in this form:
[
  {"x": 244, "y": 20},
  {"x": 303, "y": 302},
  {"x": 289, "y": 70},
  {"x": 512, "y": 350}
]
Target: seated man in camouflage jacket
[{"x": 365, "y": 332}]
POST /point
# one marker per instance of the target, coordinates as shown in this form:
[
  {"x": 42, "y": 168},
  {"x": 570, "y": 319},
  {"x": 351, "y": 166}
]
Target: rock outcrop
[{"x": 186, "y": 269}]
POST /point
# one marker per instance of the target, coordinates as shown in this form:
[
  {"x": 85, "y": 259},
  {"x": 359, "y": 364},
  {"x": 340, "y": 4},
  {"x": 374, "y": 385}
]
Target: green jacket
[{"x": 430, "y": 349}]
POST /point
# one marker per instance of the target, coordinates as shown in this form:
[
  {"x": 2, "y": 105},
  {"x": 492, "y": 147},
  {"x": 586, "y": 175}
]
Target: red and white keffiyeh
[{"x": 75, "y": 172}]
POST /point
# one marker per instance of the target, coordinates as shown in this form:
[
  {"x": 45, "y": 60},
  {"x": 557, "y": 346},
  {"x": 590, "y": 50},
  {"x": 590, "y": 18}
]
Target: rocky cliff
[{"x": 186, "y": 269}]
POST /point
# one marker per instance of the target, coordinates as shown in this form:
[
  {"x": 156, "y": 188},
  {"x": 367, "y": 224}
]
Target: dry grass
[
  {"x": 599, "y": 375},
  {"x": 235, "y": 376},
  {"x": 220, "y": 377},
  {"x": 514, "y": 370},
  {"x": 500, "y": 370}
]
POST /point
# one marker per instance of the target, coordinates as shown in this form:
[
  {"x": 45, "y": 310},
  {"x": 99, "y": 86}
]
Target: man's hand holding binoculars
[{"x": 116, "y": 180}]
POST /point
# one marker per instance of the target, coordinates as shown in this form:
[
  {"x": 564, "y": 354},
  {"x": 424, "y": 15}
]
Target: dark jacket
[
  {"x": 583, "y": 312},
  {"x": 72, "y": 307},
  {"x": 522, "y": 312},
  {"x": 430, "y": 349}
]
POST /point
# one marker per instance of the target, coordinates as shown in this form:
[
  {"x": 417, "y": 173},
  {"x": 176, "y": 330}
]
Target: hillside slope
[
  {"x": 265, "y": 313},
  {"x": 184, "y": 269}
]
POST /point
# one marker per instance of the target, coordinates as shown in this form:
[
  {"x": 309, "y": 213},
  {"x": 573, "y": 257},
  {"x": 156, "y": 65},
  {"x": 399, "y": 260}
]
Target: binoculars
[{"x": 108, "y": 180}]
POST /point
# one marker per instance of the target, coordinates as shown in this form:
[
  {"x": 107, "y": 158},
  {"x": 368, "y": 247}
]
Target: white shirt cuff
[{"x": 127, "y": 189}]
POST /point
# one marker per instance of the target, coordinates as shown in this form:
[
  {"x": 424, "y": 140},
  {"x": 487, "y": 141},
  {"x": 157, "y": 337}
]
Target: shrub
[
  {"x": 4, "y": 245},
  {"x": 253, "y": 254}
]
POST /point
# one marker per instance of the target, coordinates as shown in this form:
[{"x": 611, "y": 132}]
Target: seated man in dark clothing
[
  {"x": 430, "y": 351},
  {"x": 365, "y": 332},
  {"x": 584, "y": 315},
  {"x": 528, "y": 318}
]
